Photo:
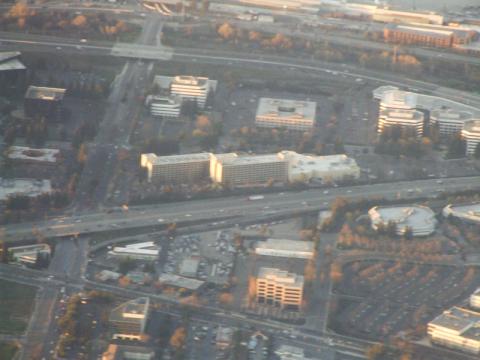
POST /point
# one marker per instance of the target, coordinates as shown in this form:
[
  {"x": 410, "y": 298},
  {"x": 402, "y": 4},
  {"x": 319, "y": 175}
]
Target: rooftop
[
  {"x": 127, "y": 352},
  {"x": 287, "y": 108},
  {"x": 180, "y": 281},
  {"x": 286, "y": 245},
  {"x": 470, "y": 210},
  {"x": 45, "y": 93},
  {"x": 230, "y": 159},
  {"x": 164, "y": 82},
  {"x": 189, "y": 266},
  {"x": 190, "y": 80},
  {"x": 145, "y": 248},
  {"x": 133, "y": 311},
  {"x": 30, "y": 154},
  {"x": 472, "y": 126},
  {"x": 463, "y": 321},
  {"x": 28, "y": 187},
  {"x": 450, "y": 114},
  {"x": 176, "y": 159},
  {"x": 280, "y": 276},
  {"x": 402, "y": 114},
  {"x": 9, "y": 61},
  {"x": 418, "y": 218}
]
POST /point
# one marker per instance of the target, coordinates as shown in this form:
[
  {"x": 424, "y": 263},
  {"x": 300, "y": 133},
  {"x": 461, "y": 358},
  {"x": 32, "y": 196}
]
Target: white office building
[
  {"x": 419, "y": 219},
  {"x": 168, "y": 107},
  {"x": 475, "y": 299},
  {"x": 28, "y": 254},
  {"x": 289, "y": 114},
  {"x": 140, "y": 251},
  {"x": 305, "y": 168},
  {"x": 285, "y": 248},
  {"x": 404, "y": 118},
  {"x": 471, "y": 134},
  {"x": 237, "y": 170},
  {"x": 457, "y": 328},
  {"x": 449, "y": 121},
  {"x": 468, "y": 212},
  {"x": 279, "y": 288},
  {"x": 176, "y": 169}
]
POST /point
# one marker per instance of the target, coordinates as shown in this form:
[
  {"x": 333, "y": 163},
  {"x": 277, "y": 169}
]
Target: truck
[{"x": 256, "y": 197}]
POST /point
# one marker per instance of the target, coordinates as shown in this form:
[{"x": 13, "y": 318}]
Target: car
[
  {"x": 83, "y": 40},
  {"x": 325, "y": 192},
  {"x": 59, "y": 48}
]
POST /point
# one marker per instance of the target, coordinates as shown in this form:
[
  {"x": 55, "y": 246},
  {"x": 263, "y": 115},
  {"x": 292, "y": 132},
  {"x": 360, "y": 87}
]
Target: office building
[
  {"x": 419, "y": 219},
  {"x": 288, "y": 114},
  {"x": 457, "y": 328},
  {"x": 448, "y": 121},
  {"x": 233, "y": 170},
  {"x": 24, "y": 187},
  {"x": 285, "y": 248},
  {"x": 29, "y": 254},
  {"x": 140, "y": 251},
  {"x": 44, "y": 102},
  {"x": 165, "y": 107},
  {"x": 467, "y": 212},
  {"x": 224, "y": 337},
  {"x": 305, "y": 168},
  {"x": 279, "y": 288},
  {"x": 471, "y": 135},
  {"x": 128, "y": 352},
  {"x": 189, "y": 267},
  {"x": 412, "y": 120},
  {"x": 405, "y": 17},
  {"x": 176, "y": 169},
  {"x": 191, "y": 88},
  {"x": 129, "y": 319}
]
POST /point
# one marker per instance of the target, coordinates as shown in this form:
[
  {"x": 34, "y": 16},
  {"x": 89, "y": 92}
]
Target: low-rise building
[
  {"x": 224, "y": 337},
  {"x": 108, "y": 275},
  {"x": 29, "y": 254},
  {"x": 457, "y": 328},
  {"x": 166, "y": 107},
  {"x": 449, "y": 121},
  {"x": 471, "y": 135},
  {"x": 189, "y": 267},
  {"x": 279, "y": 288},
  {"x": 419, "y": 219},
  {"x": 180, "y": 282},
  {"x": 289, "y": 114},
  {"x": 128, "y": 352},
  {"x": 191, "y": 88},
  {"x": 31, "y": 156},
  {"x": 468, "y": 212},
  {"x": 139, "y": 251},
  {"x": 24, "y": 187},
  {"x": 404, "y": 118},
  {"x": 44, "y": 102},
  {"x": 305, "y": 168},
  {"x": 176, "y": 169},
  {"x": 129, "y": 319},
  {"x": 285, "y": 248}
]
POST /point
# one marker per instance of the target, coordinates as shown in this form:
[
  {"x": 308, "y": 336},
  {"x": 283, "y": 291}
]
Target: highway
[{"x": 235, "y": 207}]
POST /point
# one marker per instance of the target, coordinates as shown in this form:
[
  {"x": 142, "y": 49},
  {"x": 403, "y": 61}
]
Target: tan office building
[
  {"x": 279, "y": 288},
  {"x": 177, "y": 169},
  {"x": 288, "y": 114}
]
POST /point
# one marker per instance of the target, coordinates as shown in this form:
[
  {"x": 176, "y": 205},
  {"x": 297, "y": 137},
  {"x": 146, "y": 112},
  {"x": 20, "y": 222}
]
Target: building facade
[
  {"x": 129, "y": 319},
  {"x": 407, "y": 119},
  {"x": 289, "y": 114},
  {"x": 471, "y": 135},
  {"x": 168, "y": 107},
  {"x": 176, "y": 169},
  {"x": 191, "y": 88},
  {"x": 448, "y": 121},
  {"x": 44, "y": 102},
  {"x": 279, "y": 288}
]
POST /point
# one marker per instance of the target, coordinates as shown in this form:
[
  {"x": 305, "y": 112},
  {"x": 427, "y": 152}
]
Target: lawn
[
  {"x": 16, "y": 305},
  {"x": 7, "y": 351}
]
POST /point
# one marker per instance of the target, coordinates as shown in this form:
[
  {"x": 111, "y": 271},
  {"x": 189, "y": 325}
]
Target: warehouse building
[
  {"x": 234, "y": 170},
  {"x": 469, "y": 212},
  {"x": 289, "y": 114},
  {"x": 44, "y": 102},
  {"x": 129, "y": 319},
  {"x": 457, "y": 328},
  {"x": 285, "y": 248},
  {"x": 305, "y": 168},
  {"x": 279, "y": 288},
  {"x": 180, "y": 282},
  {"x": 406, "y": 17},
  {"x": 419, "y": 219},
  {"x": 471, "y": 135},
  {"x": 176, "y": 169}
]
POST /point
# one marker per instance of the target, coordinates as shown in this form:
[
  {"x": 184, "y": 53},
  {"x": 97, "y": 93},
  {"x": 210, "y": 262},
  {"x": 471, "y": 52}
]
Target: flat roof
[
  {"x": 28, "y": 187},
  {"x": 45, "y": 93},
  {"x": 189, "y": 266},
  {"x": 402, "y": 114},
  {"x": 32, "y": 154},
  {"x": 133, "y": 311},
  {"x": 465, "y": 322},
  {"x": 287, "y": 245},
  {"x": 180, "y": 281},
  {"x": 472, "y": 210},
  {"x": 126, "y": 352},
  {"x": 414, "y": 217},
  {"x": 250, "y": 159},
  {"x": 287, "y": 108},
  {"x": 177, "y": 159},
  {"x": 164, "y": 82},
  {"x": 280, "y": 276},
  {"x": 450, "y": 114},
  {"x": 9, "y": 61}
]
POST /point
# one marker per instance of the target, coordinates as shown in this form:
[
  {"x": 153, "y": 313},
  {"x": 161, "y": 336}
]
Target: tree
[
  {"x": 456, "y": 147},
  {"x": 226, "y": 31},
  {"x": 177, "y": 340},
  {"x": 375, "y": 352},
  {"x": 79, "y": 21}
]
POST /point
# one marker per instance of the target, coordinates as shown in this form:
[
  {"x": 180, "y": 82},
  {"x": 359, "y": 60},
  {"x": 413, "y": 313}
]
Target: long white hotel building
[
  {"x": 279, "y": 288},
  {"x": 177, "y": 169},
  {"x": 471, "y": 134}
]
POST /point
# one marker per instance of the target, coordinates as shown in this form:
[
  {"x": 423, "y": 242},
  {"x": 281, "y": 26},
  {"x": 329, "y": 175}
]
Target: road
[{"x": 233, "y": 207}]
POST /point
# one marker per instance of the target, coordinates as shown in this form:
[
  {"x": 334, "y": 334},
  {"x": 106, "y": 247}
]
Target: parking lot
[{"x": 380, "y": 299}]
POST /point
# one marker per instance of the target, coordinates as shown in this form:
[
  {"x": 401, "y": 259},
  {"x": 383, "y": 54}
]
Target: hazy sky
[{"x": 435, "y": 4}]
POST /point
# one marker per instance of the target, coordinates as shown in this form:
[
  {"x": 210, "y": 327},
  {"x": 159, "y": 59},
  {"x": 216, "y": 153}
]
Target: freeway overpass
[{"x": 236, "y": 207}]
